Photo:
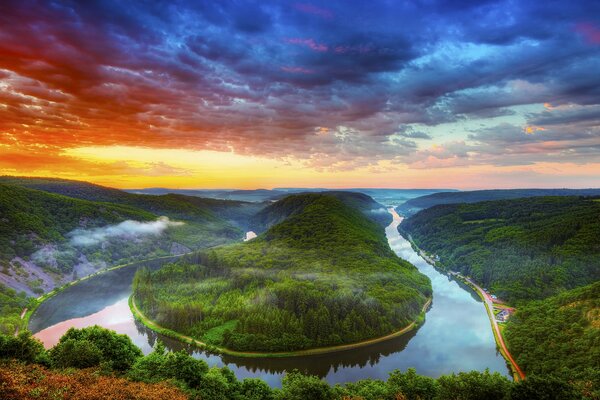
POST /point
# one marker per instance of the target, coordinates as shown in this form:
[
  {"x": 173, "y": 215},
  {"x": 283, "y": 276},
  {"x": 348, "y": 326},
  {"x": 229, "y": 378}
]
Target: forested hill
[
  {"x": 522, "y": 249},
  {"x": 48, "y": 239},
  {"x": 31, "y": 217},
  {"x": 293, "y": 204},
  {"x": 560, "y": 336},
  {"x": 415, "y": 205},
  {"x": 178, "y": 206},
  {"x": 325, "y": 275}
]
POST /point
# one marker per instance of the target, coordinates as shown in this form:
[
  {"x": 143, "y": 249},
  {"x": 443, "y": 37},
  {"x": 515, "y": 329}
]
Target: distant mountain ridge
[
  {"x": 417, "y": 204},
  {"x": 384, "y": 196}
]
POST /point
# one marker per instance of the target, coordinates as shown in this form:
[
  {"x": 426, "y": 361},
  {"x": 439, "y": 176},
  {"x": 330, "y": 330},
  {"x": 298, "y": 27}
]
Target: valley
[{"x": 456, "y": 330}]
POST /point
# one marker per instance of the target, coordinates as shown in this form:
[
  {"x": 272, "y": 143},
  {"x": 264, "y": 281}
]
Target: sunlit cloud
[{"x": 144, "y": 93}]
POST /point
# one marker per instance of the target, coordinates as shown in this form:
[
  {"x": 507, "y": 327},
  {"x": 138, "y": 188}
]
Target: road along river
[{"x": 456, "y": 335}]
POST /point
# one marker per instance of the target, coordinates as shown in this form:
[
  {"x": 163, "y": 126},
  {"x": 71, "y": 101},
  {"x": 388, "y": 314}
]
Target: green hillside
[
  {"x": 522, "y": 249},
  {"x": 294, "y": 204},
  {"x": 324, "y": 275},
  {"x": 560, "y": 336},
  {"x": 41, "y": 231},
  {"x": 177, "y": 206},
  {"x": 417, "y": 204},
  {"x": 32, "y": 217}
]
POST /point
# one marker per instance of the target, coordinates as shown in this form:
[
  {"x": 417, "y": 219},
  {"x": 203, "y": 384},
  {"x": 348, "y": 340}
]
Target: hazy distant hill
[
  {"x": 322, "y": 274},
  {"x": 388, "y": 197},
  {"x": 522, "y": 249},
  {"x": 254, "y": 195},
  {"x": 419, "y": 203}
]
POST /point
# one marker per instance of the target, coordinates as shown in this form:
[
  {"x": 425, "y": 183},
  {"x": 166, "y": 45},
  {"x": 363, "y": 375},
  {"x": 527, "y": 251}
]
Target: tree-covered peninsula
[{"x": 323, "y": 275}]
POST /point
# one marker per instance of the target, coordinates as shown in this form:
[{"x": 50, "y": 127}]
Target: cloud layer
[
  {"x": 127, "y": 230},
  {"x": 337, "y": 85}
]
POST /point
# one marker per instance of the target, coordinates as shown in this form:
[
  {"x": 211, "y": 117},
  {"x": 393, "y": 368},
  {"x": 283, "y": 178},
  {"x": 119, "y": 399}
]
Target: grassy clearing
[{"x": 215, "y": 335}]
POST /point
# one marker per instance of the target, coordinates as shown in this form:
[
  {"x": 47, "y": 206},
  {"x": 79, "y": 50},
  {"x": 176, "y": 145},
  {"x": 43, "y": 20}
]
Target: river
[{"x": 456, "y": 335}]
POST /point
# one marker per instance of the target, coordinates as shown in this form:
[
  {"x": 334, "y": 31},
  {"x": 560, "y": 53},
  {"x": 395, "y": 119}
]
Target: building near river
[{"x": 503, "y": 316}]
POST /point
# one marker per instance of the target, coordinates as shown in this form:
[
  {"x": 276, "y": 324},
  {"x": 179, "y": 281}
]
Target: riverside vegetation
[
  {"x": 322, "y": 275},
  {"x": 96, "y": 363},
  {"x": 542, "y": 254}
]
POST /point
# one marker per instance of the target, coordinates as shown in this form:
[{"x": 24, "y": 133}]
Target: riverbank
[
  {"x": 149, "y": 323},
  {"x": 28, "y": 313},
  {"x": 516, "y": 371}
]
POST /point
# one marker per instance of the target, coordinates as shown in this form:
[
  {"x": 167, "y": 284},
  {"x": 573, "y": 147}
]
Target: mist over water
[{"x": 456, "y": 335}]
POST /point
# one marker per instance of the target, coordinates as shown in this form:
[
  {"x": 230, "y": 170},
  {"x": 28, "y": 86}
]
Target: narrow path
[
  {"x": 489, "y": 305},
  {"x": 22, "y": 316}
]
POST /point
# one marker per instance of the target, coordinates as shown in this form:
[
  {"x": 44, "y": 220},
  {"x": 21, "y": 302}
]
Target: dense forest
[
  {"x": 292, "y": 205},
  {"x": 521, "y": 249},
  {"x": 95, "y": 363},
  {"x": 560, "y": 336},
  {"x": 412, "y": 206},
  {"x": 324, "y": 275}
]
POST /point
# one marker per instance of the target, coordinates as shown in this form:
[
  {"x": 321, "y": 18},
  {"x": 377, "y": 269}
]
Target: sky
[{"x": 247, "y": 94}]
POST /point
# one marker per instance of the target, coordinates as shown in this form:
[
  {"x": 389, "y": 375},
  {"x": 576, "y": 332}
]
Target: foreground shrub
[
  {"x": 94, "y": 345},
  {"x": 23, "y": 347}
]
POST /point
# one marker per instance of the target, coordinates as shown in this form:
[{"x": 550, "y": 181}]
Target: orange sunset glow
[{"x": 123, "y": 99}]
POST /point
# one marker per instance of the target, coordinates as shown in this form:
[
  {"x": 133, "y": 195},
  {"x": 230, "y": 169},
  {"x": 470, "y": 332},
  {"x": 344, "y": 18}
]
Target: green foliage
[
  {"x": 365, "y": 389},
  {"x": 158, "y": 366},
  {"x": 200, "y": 382},
  {"x": 73, "y": 353},
  {"x": 32, "y": 217},
  {"x": 11, "y": 306},
  {"x": 560, "y": 336},
  {"x": 325, "y": 275},
  {"x": 116, "y": 350},
  {"x": 23, "y": 347},
  {"x": 256, "y": 389},
  {"x": 472, "y": 386},
  {"x": 411, "y": 385},
  {"x": 292, "y": 205},
  {"x": 296, "y": 386},
  {"x": 417, "y": 204},
  {"x": 522, "y": 249},
  {"x": 189, "y": 208},
  {"x": 546, "y": 388}
]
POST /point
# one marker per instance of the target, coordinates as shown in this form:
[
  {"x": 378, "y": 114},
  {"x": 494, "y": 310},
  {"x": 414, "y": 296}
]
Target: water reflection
[{"x": 456, "y": 335}]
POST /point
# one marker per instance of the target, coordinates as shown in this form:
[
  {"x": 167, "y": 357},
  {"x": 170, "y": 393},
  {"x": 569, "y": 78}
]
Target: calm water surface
[{"x": 456, "y": 335}]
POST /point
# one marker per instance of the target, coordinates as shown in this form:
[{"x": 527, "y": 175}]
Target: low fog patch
[
  {"x": 125, "y": 230},
  {"x": 379, "y": 211}
]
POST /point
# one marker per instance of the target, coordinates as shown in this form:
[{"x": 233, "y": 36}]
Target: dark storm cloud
[{"x": 263, "y": 76}]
